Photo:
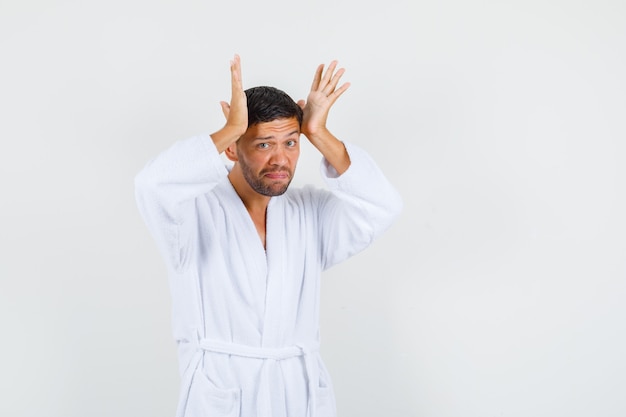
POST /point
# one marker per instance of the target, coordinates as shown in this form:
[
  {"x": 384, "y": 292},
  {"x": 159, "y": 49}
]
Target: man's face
[{"x": 268, "y": 154}]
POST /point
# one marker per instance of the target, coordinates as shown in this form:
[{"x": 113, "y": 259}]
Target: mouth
[{"x": 277, "y": 175}]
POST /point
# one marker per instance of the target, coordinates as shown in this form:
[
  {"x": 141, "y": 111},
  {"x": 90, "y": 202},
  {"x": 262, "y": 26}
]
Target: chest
[
  {"x": 225, "y": 232},
  {"x": 260, "y": 224}
]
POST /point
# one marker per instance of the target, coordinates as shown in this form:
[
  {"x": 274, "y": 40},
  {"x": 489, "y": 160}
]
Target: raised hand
[
  {"x": 236, "y": 112},
  {"x": 323, "y": 94}
]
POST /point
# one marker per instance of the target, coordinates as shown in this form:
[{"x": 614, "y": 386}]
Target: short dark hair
[{"x": 268, "y": 103}]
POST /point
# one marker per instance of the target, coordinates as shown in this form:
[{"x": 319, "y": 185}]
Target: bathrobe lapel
[{"x": 273, "y": 323}]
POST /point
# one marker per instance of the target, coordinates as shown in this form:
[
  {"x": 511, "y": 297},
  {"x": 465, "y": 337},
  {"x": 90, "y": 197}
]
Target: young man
[{"x": 245, "y": 253}]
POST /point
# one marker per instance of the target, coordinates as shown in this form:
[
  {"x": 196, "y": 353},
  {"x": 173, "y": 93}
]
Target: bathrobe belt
[{"x": 276, "y": 354}]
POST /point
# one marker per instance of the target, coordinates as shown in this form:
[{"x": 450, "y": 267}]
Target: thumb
[
  {"x": 301, "y": 103},
  {"x": 225, "y": 108}
]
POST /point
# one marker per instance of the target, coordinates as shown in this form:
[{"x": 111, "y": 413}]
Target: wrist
[
  {"x": 317, "y": 133},
  {"x": 234, "y": 131},
  {"x": 226, "y": 136}
]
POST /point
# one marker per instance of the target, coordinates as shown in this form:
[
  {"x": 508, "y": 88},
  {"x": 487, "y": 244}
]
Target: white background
[{"x": 499, "y": 292}]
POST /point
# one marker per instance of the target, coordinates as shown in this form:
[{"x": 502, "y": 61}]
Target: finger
[
  {"x": 235, "y": 71},
  {"x": 317, "y": 77},
  {"x": 338, "y": 92},
  {"x": 341, "y": 90},
  {"x": 328, "y": 74},
  {"x": 225, "y": 108},
  {"x": 330, "y": 87}
]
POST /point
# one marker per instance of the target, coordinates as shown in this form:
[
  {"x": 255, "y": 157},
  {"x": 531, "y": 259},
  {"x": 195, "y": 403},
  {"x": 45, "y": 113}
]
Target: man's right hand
[{"x": 236, "y": 112}]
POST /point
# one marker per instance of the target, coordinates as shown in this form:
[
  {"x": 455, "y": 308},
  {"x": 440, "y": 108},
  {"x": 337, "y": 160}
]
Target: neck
[{"x": 255, "y": 203}]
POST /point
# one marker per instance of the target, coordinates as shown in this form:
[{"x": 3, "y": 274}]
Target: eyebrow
[{"x": 273, "y": 137}]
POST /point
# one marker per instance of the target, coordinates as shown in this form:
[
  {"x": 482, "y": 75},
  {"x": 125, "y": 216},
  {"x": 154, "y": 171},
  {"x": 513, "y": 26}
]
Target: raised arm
[
  {"x": 168, "y": 185},
  {"x": 324, "y": 92}
]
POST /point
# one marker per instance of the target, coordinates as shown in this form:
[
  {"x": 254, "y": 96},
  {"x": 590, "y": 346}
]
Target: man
[{"x": 245, "y": 253}]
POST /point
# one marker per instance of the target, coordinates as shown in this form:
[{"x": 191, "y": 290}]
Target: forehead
[{"x": 275, "y": 128}]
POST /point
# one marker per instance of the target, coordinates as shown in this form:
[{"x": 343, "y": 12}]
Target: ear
[{"x": 231, "y": 152}]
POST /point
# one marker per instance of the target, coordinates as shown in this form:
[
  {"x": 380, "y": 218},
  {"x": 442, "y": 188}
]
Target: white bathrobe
[{"x": 245, "y": 318}]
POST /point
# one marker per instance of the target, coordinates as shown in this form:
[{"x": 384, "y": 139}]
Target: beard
[{"x": 262, "y": 184}]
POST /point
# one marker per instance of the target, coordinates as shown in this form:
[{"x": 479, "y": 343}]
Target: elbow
[
  {"x": 145, "y": 190},
  {"x": 141, "y": 180},
  {"x": 390, "y": 211},
  {"x": 393, "y": 205},
  {"x": 144, "y": 183},
  {"x": 396, "y": 204}
]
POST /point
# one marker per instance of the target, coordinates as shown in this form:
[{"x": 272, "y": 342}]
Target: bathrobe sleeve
[
  {"x": 361, "y": 205},
  {"x": 166, "y": 187}
]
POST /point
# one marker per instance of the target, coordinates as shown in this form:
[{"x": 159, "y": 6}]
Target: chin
[{"x": 275, "y": 193}]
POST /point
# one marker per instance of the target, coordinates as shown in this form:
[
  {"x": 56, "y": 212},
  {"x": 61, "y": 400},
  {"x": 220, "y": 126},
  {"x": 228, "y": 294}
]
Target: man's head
[{"x": 267, "y": 154}]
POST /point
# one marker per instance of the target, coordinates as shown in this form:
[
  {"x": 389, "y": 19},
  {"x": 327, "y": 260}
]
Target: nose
[{"x": 278, "y": 157}]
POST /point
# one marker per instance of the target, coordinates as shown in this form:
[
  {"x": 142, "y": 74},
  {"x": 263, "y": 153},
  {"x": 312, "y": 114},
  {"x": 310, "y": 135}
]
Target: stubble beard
[{"x": 261, "y": 184}]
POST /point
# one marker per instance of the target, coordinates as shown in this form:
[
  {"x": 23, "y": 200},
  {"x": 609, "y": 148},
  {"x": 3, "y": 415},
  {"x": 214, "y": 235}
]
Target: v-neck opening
[{"x": 250, "y": 222}]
